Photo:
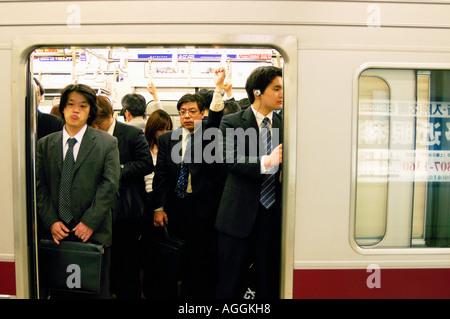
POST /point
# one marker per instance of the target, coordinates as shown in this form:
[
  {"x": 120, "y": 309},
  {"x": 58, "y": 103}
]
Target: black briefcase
[
  {"x": 73, "y": 266},
  {"x": 168, "y": 254}
]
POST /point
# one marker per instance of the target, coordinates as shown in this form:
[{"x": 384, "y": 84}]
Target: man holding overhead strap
[
  {"x": 185, "y": 193},
  {"x": 249, "y": 216}
]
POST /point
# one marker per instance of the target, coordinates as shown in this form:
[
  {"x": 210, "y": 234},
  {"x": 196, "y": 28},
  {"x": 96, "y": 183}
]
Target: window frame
[{"x": 374, "y": 250}]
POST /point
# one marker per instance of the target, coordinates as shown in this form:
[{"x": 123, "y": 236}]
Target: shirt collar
[
  {"x": 78, "y": 136},
  {"x": 186, "y": 132},
  {"x": 259, "y": 117}
]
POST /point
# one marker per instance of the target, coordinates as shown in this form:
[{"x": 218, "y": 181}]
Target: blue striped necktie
[
  {"x": 65, "y": 204},
  {"x": 268, "y": 186},
  {"x": 183, "y": 177}
]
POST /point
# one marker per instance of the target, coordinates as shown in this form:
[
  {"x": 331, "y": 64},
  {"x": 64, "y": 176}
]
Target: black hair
[
  {"x": 259, "y": 79},
  {"x": 244, "y": 103},
  {"x": 134, "y": 103},
  {"x": 231, "y": 106},
  {"x": 192, "y": 98},
  {"x": 207, "y": 95},
  {"x": 84, "y": 90}
]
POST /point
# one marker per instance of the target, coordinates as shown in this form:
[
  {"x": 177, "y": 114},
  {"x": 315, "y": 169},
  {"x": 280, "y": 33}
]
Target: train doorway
[{"x": 116, "y": 71}]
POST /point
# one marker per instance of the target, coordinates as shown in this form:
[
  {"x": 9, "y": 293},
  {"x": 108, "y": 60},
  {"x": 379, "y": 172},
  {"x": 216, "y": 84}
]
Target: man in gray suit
[{"x": 95, "y": 181}]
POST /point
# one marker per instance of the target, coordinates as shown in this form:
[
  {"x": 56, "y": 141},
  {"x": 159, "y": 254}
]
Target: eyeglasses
[{"x": 183, "y": 112}]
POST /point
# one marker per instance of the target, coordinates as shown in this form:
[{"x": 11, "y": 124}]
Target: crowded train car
[{"x": 366, "y": 123}]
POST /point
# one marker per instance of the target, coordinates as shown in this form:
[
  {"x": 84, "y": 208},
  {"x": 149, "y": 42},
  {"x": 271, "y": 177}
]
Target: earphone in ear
[{"x": 257, "y": 92}]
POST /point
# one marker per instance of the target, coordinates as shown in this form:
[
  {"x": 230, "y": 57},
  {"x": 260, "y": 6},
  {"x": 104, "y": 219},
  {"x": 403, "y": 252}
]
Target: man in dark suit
[
  {"x": 95, "y": 180},
  {"x": 46, "y": 123},
  {"x": 189, "y": 208},
  {"x": 249, "y": 215},
  {"x": 135, "y": 106},
  {"x": 131, "y": 211}
]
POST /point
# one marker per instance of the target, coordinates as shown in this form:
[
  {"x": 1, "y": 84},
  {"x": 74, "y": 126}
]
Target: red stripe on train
[
  {"x": 7, "y": 278},
  {"x": 354, "y": 283}
]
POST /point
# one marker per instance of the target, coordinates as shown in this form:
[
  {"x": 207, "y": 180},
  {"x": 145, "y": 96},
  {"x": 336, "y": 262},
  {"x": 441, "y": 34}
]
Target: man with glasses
[{"x": 185, "y": 190}]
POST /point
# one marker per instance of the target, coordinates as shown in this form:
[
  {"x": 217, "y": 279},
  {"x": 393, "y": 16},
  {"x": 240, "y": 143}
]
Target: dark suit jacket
[
  {"x": 203, "y": 179},
  {"x": 137, "y": 162},
  {"x": 240, "y": 198},
  {"x": 48, "y": 123},
  {"x": 94, "y": 186}
]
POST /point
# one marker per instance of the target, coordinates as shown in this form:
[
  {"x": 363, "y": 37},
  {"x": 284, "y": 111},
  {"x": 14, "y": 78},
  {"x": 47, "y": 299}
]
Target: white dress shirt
[
  {"x": 79, "y": 137},
  {"x": 259, "y": 118}
]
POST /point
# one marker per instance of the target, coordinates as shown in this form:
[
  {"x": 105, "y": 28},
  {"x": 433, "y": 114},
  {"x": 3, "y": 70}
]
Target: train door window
[{"x": 403, "y": 159}]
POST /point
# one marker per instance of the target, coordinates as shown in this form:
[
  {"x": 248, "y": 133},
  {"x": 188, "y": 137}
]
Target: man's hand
[
  {"x": 228, "y": 87},
  {"x": 159, "y": 218},
  {"x": 152, "y": 90},
  {"x": 83, "y": 232},
  {"x": 275, "y": 158},
  {"x": 59, "y": 231},
  {"x": 219, "y": 78}
]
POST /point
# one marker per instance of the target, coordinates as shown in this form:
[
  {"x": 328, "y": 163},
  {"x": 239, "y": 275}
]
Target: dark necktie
[
  {"x": 65, "y": 207},
  {"x": 184, "y": 172},
  {"x": 268, "y": 186}
]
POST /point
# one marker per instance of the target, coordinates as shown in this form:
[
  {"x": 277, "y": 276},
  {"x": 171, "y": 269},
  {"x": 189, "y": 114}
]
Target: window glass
[{"x": 403, "y": 158}]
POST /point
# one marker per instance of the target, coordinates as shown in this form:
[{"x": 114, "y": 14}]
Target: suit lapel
[
  {"x": 118, "y": 132},
  {"x": 174, "y": 141},
  {"x": 277, "y": 124},
  {"x": 56, "y": 158},
  {"x": 56, "y": 145},
  {"x": 86, "y": 147},
  {"x": 249, "y": 121}
]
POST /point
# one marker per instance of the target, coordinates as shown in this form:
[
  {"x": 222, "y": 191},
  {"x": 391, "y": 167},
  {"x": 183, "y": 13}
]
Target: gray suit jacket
[{"x": 94, "y": 186}]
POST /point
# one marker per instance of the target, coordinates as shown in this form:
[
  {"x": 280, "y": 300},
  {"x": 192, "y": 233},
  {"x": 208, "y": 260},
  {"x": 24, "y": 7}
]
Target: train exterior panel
[{"x": 342, "y": 235}]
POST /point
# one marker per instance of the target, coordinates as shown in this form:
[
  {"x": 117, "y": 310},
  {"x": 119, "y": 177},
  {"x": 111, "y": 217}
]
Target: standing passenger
[
  {"x": 157, "y": 105},
  {"x": 158, "y": 122},
  {"x": 182, "y": 191},
  {"x": 134, "y": 106},
  {"x": 46, "y": 123},
  {"x": 249, "y": 216},
  {"x": 136, "y": 162},
  {"x": 95, "y": 181}
]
